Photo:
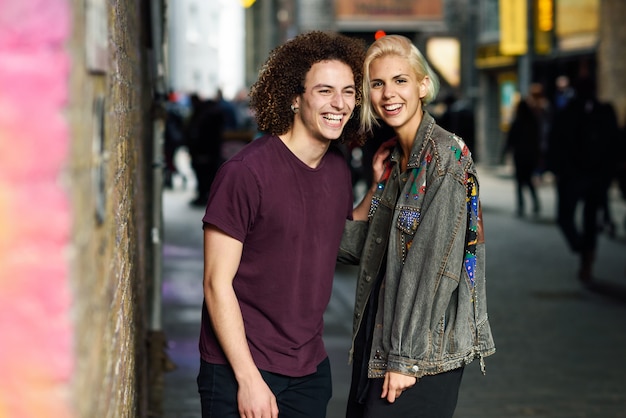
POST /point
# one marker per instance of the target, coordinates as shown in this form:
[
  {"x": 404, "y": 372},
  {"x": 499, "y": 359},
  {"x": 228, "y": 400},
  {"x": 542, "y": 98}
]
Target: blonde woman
[{"x": 420, "y": 313}]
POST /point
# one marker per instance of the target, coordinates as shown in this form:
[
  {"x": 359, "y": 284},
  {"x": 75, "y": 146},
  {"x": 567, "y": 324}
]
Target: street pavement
[{"x": 561, "y": 347}]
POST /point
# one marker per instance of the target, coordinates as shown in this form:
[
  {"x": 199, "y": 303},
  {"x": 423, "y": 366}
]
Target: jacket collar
[{"x": 423, "y": 133}]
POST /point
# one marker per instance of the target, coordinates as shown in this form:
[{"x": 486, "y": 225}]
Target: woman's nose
[{"x": 388, "y": 91}]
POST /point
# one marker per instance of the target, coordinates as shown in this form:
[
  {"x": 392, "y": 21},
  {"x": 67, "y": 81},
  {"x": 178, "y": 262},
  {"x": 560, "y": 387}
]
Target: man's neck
[{"x": 309, "y": 150}]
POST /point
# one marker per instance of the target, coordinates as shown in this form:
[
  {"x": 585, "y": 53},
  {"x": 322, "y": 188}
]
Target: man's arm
[{"x": 222, "y": 254}]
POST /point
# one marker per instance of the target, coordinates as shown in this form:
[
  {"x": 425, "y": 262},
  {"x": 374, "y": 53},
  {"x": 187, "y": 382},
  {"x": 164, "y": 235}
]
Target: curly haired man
[{"x": 272, "y": 229}]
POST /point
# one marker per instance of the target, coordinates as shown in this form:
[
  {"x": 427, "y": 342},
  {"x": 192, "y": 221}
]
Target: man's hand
[
  {"x": 395, "y": 384},
  {"x": 256, "y": 400}
]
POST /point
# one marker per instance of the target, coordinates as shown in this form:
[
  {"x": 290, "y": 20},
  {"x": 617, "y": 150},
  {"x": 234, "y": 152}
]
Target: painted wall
[
  {"x": 36, "y": 361},
  {"x": 75, "y": 205}
]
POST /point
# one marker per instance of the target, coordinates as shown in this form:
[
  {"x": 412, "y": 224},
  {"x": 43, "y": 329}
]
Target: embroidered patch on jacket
[
  {"x": 417, "y": 180},
  {"x": 461, "y": 151},
  {"x": 472, "y": 231},
  {"x": 373, "y": 206},
  {"x": 381, "y": 186},
  {"x": 408, "y": 220}
]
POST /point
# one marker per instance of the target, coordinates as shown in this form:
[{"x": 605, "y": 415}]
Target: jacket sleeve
[
  {"x": 429, "y": 277},
  {"x": 352, "y": 241}
]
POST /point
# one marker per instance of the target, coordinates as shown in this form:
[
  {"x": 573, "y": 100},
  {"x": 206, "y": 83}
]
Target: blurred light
[
  {"x": 444, "y": 53},
  {"x": 247, "y": 3},
  {"x": 282, "y": 16},
  {"x": 379, "y": 34},
  {"x": 513, "y": 27},
  {"x": 545, "y": 16}
]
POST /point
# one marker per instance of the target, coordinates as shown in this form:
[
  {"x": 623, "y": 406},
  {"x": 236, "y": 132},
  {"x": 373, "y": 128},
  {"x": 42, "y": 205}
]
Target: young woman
[{"x": 420, "y": 312}]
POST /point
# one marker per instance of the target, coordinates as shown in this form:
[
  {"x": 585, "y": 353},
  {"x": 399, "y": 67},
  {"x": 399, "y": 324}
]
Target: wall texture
[
  {"x": 611, "y": 57},
  {"x": 36, "y": 341},
  {"x": 109, "y": 168},
  {"x": 75, "y": 193}
]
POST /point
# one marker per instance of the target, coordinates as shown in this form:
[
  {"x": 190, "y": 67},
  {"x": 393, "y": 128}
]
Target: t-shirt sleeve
[{"x": 234, "y": 200}]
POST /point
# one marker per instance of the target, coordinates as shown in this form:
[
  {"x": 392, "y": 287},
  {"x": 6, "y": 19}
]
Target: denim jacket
[{"x": 432, "y": 308}]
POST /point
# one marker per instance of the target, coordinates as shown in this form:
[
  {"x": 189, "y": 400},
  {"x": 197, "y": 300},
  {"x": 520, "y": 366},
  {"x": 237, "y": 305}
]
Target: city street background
[{"x": 560, "y": 347}]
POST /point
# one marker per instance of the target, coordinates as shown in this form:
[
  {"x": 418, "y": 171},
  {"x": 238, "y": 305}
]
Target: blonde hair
[{"x": 403, "y": 47}]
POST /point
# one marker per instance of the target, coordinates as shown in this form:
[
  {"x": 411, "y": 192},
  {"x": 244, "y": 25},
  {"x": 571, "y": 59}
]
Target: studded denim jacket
[{"x": 432, "y": 308}]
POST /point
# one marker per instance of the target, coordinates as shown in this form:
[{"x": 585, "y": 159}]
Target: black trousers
[
  {"x": 297, "y": 397},
  {"x": 432, "y": 397},
  {"x": 571, "y": 193}
]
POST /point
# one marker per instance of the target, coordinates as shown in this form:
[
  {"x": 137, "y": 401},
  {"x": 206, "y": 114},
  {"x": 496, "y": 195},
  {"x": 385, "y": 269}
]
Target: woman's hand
[
  {"x": 395, "y": 384},
  {"x": 378, "y": 161}
]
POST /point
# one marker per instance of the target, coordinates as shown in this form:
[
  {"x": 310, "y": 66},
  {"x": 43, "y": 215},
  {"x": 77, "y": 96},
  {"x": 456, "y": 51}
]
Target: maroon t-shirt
[{"x": 290, "y": 219}]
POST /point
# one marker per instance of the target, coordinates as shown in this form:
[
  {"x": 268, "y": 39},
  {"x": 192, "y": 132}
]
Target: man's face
[{"x": 328, "y": 100}]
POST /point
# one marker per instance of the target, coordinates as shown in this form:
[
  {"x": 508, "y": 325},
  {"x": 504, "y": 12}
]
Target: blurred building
[
  {"x": 444, "y": 30},
  {"x": 487, "y": 52},
  {"x": 205, "y": 47},
  {"x": 524, "y": 41}
]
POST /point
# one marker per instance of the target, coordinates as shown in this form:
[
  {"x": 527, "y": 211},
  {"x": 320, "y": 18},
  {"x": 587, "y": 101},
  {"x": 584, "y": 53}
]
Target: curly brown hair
[{"x": 281, "y": 79}]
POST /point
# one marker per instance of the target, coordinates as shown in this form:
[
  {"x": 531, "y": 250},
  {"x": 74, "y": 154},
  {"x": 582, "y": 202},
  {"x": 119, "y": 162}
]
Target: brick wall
[{"x": 110, "y": 247}]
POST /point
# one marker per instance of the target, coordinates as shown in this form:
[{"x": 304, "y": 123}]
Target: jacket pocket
[{"x": 408, "y": 220}]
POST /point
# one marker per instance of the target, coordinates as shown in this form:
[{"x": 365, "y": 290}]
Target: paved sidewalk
[{"x": 561, "y": 348}]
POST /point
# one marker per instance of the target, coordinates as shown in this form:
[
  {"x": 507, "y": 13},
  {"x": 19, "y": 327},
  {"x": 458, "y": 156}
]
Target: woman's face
[{"x": 396, "y": 93}]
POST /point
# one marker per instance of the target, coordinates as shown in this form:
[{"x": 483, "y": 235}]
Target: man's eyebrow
[{"x": 328, "y": 86}]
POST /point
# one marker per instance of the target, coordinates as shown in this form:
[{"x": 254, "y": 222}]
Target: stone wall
[{"x": 109, "y": 177}]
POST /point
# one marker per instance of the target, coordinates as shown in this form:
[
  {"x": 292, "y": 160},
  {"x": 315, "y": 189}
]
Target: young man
[{"x": 272, "y": 229}]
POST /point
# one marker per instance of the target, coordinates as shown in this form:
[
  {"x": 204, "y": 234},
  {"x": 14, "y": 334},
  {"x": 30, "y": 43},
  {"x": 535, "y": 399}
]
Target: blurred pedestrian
[
  {"x": 204, "y": 141},
  {"x": 174, "y": 138},
  {"x": 585, "y": 139},
  {"x": 526, "y": 140},
  {"x": 621, "y": 168},
  {"x": 272, "y": 229},
  {"x": 458, "y": 118},
  {"x": 621, "y": 172},
  {"x": 231, "y": 118},
  {"x": 563, "y": 92},
  {"x": 421, "y": 312}
]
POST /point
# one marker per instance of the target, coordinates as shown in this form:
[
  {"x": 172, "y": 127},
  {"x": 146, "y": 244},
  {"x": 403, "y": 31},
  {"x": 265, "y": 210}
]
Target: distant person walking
[
  {"x": 585, "y": 142},
  {"x": 204, "y": 140},
  {"x": 272, "y": 229},
  {"x": 527, "y": 141},
  {"x": 458, "y": 118}
]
